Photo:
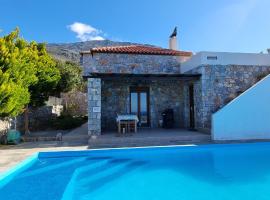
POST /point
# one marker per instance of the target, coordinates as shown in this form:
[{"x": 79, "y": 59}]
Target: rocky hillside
[{"x": 71, "y": 51}]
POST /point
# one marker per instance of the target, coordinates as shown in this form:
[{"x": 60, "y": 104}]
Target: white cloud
[
  {"x": 85, "y": 32},
  {"x": 96, "y": 38}
]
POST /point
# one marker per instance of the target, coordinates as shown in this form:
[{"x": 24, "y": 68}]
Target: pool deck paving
[{"x": 149, "y": 137}]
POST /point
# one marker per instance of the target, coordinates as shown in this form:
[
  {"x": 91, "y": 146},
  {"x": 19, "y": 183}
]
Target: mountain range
[{"x": 71, "y": 51}]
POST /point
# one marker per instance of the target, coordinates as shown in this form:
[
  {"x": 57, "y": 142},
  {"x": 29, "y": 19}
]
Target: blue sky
[{"x": 212, "y": 25}]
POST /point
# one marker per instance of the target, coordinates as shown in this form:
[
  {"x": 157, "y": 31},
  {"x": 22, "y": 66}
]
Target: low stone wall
[{"x": 39, "y": 118}]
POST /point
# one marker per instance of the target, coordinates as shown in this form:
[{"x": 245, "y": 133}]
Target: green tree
[
  {"x": 28, "y": 74},
  {"x": 13, "y": 97},
  {"x": 48, "y": 76},
  {"x": 47, "y": 79},
  {"x": 17, "y": 73},
  {"x": 71, "y": 76}
]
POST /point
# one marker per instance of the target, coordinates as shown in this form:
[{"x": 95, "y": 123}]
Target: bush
[{"x": 66, "y": 122}]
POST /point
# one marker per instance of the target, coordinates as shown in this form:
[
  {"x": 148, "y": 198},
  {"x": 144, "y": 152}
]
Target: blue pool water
[{"x": 210, "y": 172}]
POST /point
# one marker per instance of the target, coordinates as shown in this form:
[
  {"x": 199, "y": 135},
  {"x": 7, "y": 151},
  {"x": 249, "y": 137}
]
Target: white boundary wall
[
  {"x": 225, "y": 58},
  {"x": 246, "y": 117}
]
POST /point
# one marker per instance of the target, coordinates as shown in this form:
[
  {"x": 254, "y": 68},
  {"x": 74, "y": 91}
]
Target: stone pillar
[{"x": 94, "y": 106}]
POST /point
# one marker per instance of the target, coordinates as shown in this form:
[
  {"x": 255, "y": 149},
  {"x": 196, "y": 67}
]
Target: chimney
[{"x": 173, "y": 40}]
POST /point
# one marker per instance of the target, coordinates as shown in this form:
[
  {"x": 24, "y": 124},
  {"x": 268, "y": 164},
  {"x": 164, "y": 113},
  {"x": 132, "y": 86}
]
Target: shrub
[{"x": 66, "y": 122}]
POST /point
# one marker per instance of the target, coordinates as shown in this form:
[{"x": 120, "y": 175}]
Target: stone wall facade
[
  {"x": 130, "y": 63},
  {"x": 219, "y": 85},
  {"x": 94, "y": 106},
  {"x": 167, "y": 94},
  {"x": 115, "y": 94},
  {"x": 163, "y": 94}
]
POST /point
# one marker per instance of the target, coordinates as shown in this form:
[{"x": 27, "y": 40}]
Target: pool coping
[
  {"x": 88, "y": 152},
  {"x": 8, "y": 175}
]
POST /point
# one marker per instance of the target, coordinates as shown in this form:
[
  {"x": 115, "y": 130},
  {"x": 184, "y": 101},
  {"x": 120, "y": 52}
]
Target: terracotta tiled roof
[{"x": 139, "y": 49}]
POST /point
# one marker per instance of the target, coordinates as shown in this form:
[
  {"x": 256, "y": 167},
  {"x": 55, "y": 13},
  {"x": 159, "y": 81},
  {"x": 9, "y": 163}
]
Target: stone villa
[{"x": 199, "y": 88}]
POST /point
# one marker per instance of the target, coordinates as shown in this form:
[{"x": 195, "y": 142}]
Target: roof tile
[{"x": 139, "y": 49}]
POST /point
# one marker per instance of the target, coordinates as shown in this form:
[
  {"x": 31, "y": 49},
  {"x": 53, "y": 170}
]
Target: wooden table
[{"x": 126, "y": 123}]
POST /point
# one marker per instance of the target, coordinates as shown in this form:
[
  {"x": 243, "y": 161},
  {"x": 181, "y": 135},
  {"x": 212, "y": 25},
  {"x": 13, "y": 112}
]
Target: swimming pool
[{"x": 223, "y": 172}]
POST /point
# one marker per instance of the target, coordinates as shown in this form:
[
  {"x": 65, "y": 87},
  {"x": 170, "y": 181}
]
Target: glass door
[{"x": 139, "y": 104}]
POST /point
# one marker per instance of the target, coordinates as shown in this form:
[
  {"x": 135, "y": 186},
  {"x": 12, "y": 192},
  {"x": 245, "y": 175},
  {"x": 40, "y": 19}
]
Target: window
[{"x": 211, "y": 57}]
